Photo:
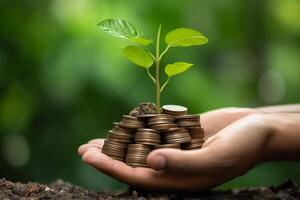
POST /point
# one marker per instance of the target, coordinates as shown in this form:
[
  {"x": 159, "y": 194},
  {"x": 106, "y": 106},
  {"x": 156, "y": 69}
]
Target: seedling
[{"x": 143, "y": 57}]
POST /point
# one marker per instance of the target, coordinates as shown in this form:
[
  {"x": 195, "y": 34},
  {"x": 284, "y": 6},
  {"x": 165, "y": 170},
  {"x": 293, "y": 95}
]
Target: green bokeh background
[{"x": 63, "y": 82}]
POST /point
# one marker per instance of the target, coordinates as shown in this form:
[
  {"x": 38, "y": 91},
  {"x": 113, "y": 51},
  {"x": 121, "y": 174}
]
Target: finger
[
  {"x": 211, "y": 122},
  {"x": 217, "y": 153},
  {"x": 209, "y": 141},
  {"x": 189, "y": 161},
  {"x": 107, "y": 165},
  {"x": 98, "y": 141},
  {"x": 216, "y": 120},
  {"x": 83, "y": 148},
  {"x": 145, "y": 178}
]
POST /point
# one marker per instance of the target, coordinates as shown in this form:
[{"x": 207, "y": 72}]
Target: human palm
[{"x": 232, "y": 148}]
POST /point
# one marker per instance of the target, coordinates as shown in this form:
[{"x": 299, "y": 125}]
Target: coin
[
  {"x": 136, "y": 135},
  {"x": 147, "y": 136},
  {"x": 120, "y": 136},
  {"x": 195, "y": 129},
  {"x": 191, "y": 117},
  {"x": 170, "y": 130},
  {"x": 115, "y": 150},
  {"x": 153, "y": 122},
  {"x": 117, "y": 128},
  {"x": 197, "y": 136},
  {"x": 162, "y": 146},
  {"x": 131, "y": 122},
  {"x": 188, "y": 120},
  {"x": 177, "y": 135},
  {"x": 146, "y": 116},
  {"x": 147, "y": 130},
  {"x": 139, "y": 146},
  {"x": 163, "y": 116},
  {"x": 193, "y": 144},
  {"x": 161, "y": 122},
  {"x": 196, "y": 132},
  {"x": 162, "y": 127},
  {"x": 136, "y": 164},
  {"x": 174, "y": 110},
  {"x": 185, "y": 123},
  {"x": 137, "y": 155},
  {"x": 141, "y": 149},
  {"x": 122, "y": 125}
]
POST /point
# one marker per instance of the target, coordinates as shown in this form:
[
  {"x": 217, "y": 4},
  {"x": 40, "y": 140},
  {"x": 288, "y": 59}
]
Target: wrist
[
  {"x": 270, "y": 135},
  {"x": 262, "y": 132},
  {"x": 283, "y": 142}
]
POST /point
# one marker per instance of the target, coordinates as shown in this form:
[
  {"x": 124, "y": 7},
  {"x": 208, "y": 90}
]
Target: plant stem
[
  {"x": 150, "y": 75},
  {"x": 164, "y": 85},
  {"x": 165, "y": 51},
  {"x": 151, "y": 55},
  {"x": 157, "y": 62}
]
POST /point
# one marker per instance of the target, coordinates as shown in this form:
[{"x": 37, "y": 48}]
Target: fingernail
[{"x": 159, "y": 162}]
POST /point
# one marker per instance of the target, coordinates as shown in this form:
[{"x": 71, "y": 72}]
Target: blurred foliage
[{"x": 62, "y": 82}]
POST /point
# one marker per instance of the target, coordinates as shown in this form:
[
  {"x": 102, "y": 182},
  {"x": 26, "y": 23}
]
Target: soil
[{"x": 63, "y": 190}]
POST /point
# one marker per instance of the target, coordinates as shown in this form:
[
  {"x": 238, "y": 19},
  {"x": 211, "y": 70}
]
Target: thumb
[{"x": 183, "y": 161}]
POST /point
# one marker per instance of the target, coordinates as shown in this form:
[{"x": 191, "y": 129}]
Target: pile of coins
[{"x": 134, "y": 137}]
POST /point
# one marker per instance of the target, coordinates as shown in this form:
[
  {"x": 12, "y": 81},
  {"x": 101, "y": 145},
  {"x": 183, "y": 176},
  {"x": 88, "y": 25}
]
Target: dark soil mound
[{"x": 63, "y": 190}]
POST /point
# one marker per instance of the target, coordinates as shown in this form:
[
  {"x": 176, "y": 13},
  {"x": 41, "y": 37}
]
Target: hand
[
  {"x": 215, "y": 120},
  {"x": 228, "y": 154}
]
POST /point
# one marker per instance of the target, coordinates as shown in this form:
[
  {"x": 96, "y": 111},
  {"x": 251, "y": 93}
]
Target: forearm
[
  {"x": 289, "y": 108},
  {"x": 284, "y": 141}
]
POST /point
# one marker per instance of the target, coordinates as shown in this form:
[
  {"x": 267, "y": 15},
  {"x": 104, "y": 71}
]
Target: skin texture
[{"x": 237, "y": 139}]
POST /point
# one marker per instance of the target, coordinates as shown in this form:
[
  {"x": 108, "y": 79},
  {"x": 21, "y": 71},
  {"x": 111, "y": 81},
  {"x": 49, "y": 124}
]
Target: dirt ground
[{"x": 63, "y": 190}]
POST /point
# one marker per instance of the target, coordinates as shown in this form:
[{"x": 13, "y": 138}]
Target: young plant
[{"x": 181, "y": 37}]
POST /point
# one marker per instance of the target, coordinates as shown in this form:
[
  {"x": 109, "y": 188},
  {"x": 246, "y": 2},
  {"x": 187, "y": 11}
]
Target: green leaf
[
  {"x": 123, "y": 29},
  {"x": 138, "y": 56},
  {"x": 176, "y": 68},
  {"x": 184, "y": 37},
  {"x": 141, "y": 41},
  {"x": 120, "y": 28}
]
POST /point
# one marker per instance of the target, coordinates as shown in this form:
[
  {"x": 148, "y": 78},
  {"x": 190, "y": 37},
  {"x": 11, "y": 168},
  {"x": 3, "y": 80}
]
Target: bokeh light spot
[
  {"x": 271, "y": 86},
  {"x": 15, "y": 150}
]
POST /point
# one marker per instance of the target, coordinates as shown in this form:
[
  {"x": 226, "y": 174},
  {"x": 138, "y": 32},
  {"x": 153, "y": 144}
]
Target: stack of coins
[
  {"x": 193, "y": 144},
  {"x": 193, "y": 125},
  {"x": 196, "y": 132},
  {"x": 163, "y": 146},
  {"x": 119, "y": 134},
  {"x": 137, "y": 155},
  {"x": 162, "y": 122},
  {"x": 115, "y": 150},
  {"x": 131, "y": 122},
  {"x": 147, "y": 136},
  {"x": 176, "y": 136},
  {"x": 134, "y": 137},
  {"x": 188, "y": 120}
]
